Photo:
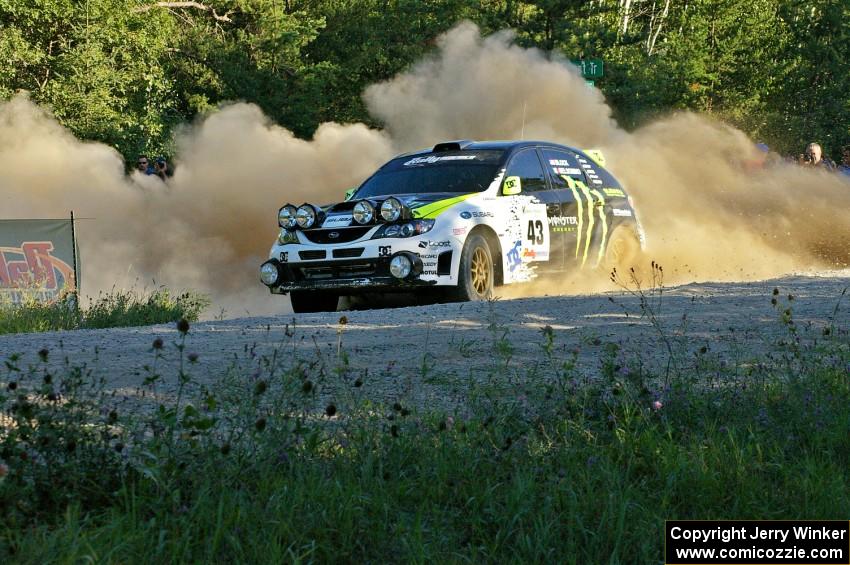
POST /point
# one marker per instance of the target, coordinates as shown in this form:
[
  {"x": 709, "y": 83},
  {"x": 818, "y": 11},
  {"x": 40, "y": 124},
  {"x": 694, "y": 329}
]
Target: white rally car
[{"x": 457, "y": 220}]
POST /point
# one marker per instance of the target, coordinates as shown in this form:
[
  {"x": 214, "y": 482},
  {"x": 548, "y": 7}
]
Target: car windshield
[{"x": 449, "y": 171}]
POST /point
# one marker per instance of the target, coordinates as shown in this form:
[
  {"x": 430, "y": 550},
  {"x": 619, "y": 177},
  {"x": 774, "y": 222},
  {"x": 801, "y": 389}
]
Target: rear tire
[
  {"x": 476, "y": 273},
  {"x": 309, "y": 301},
  {"x": 623, "y": 252}
]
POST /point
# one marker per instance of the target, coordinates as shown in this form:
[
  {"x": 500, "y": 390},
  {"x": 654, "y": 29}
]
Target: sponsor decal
[
  {"x": 466, "y": 215},
  {"x": 529, "y": 254},
  {"x": 333, "y": 235},
  {"x": 429, "y": 272},
  {"x": 561, "y": 221},
  {"x": 423, "y": 244},
  {"x": 432, "y": 159},
  {"x": 596, "y": 181},
  {"x": 429, "y": 264},
  {"x": 284, "y": 256},
  {"x": 385, "y": 250},
  {"x": 439, "y": 243},
  {"x": 482, "y": 214},
  {"x": 35, "y": 268},
  {"x": 622, "y": 213},
  {"x": 571, "y": 171},
  {"x": 614, "y": 192},
  {"x": 458, "y": 231},
  {"x": 429, "y": 256},
  {"x": 514, "y": 260},
  {"x": 343, "y": 220},
  {"x": 559, "y": 162}
]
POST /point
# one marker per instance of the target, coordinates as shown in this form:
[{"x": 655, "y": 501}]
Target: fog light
[
  {"x": 400, "y": 266},
  {"x": 269, "y": 273}
]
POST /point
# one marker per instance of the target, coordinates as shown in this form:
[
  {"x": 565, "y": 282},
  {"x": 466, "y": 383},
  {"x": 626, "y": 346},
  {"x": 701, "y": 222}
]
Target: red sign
[{"x": 32, "y": 265}]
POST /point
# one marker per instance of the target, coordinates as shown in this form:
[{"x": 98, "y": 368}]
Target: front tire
[
  {"x": 476, "y": 274},
  {"x": 310, "y": 301}
]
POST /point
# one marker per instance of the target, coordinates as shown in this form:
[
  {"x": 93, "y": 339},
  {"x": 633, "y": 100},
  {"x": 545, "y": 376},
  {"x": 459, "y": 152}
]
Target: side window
[
  {"x": 563, "y": 163},
  {"x": 526, "y": 166}
]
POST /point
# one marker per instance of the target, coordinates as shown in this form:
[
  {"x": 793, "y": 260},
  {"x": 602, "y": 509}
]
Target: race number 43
[{"x": 535, "y": 232}]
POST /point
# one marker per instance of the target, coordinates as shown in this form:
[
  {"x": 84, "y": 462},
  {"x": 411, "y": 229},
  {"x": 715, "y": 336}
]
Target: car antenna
[{"x": 522, "y": 133}]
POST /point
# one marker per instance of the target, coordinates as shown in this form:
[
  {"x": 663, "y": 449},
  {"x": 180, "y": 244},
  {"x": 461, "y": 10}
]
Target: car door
[
  {"x": 538, "y": 245},
  {"x": 533, "y": 237},
  {"x": 578, "y": 220}
]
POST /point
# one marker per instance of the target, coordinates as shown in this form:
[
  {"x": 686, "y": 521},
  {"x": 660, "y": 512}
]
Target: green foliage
[
  {"x": 126, "y": 72},
  {"x": 294, "y": 463},
  {"x": 119, "y": 308}
]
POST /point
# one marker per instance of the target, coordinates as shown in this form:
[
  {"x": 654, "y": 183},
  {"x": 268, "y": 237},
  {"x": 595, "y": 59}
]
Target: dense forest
[{"x": 127, "y": 72}]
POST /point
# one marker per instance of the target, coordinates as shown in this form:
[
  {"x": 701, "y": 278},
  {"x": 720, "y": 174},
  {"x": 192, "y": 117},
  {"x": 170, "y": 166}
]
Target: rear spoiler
[{"x": 596, "y": 155}]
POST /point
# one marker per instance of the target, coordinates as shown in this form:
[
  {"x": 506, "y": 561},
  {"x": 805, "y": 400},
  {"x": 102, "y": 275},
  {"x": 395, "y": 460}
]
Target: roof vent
[{"x": 452, "y": 145}]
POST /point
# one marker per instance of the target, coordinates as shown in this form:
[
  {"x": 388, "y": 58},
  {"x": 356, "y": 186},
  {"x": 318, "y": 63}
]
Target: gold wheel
[{"x": 481, "y": 271}]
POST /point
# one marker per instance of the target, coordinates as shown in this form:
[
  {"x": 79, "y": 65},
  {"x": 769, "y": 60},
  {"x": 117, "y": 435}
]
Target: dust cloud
[{"x": 707, "y": 214}]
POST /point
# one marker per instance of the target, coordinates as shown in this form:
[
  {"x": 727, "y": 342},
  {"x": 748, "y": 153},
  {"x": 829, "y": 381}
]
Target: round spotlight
[
  {"x": 391, "y": 210},
  {"x": 363, "y": 212},
  {"x": 305, "y": 217},
  {"x": 286, "y": 217},
  {"x": 269, "y": 273},
  {"x": 400, "y": 266}
]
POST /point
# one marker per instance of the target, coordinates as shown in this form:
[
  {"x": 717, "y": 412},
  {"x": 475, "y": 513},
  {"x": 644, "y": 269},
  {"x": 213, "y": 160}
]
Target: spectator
[
  {"x": 844, "y": 167},
  {"x": 813, "y": 157},
  {"x": 161, "y": 168},
  {"x": 143, "y": 165}
]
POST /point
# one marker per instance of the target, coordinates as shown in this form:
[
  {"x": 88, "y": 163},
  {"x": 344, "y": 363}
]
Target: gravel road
[{"x": 428, "y": 354}]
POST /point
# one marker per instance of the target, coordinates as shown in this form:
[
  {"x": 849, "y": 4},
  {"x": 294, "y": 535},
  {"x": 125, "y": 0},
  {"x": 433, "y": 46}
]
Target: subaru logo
[
  {"x": 465, "y": 215},
  {"x": 333, "y": 235}
]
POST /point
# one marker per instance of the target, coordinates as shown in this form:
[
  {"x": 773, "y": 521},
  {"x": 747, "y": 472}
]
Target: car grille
[
  {"x": 338, "y": 271},
  {"x": 343, "y": 235},
  {"x": 348, "y": 252},
  {"x": 312, "y": 254}
]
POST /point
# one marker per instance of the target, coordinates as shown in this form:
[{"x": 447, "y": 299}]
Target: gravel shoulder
[{"x": 429, "y": 355}]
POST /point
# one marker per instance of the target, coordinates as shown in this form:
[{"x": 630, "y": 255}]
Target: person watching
[
  {"x": 161, "y": 168},
  {"x": 143, "y": 165},
  {"x": 813, "y": 157}
]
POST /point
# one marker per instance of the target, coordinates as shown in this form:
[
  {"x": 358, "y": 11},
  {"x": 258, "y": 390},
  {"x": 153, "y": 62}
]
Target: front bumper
[{"x": 352, "y": 276}]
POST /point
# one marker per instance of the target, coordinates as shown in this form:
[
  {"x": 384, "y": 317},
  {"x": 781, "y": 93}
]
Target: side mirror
[
  {"x": 349, "y": 193},
  {"x": 511, "y": 186}
]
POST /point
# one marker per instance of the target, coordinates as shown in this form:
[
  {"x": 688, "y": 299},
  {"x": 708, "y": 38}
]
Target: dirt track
[{"x": 428, "y": 354}]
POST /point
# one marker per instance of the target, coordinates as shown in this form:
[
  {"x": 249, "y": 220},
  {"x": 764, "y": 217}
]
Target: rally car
[{"x": 458, "y": 219}]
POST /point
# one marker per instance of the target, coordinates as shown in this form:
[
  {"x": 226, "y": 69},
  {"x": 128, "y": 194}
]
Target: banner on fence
[{"x": 37, "y": 259}]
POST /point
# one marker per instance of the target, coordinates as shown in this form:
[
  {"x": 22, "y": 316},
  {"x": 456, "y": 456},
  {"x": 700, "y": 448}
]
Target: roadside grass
[
  {"x": 117, "y": 308},
  {"x": 287, "y": 459}
]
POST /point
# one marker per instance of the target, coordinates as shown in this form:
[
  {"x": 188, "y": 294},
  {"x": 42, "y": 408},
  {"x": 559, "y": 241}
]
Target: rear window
[{"x": 449, "y": 171}]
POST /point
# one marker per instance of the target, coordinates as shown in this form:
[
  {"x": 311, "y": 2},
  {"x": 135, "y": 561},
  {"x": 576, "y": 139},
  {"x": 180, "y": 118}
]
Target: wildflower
[
  {"x": 394, "y": 430},
  {"x": 48, "y": 378},
  {"x": 119, "y": 447},
  {"x": 330, "y": 410},
  {"x": 42, "y": 353},
  {"x": 450, "y": 421},
  {"x": 225, "y": 449},
  {"x": 442, "y": 426},
  {"x": 193, "y": 358},
  {"x": 307, "y": 386},
  {"x": 52, "y": 397},
  {"x": 358, "y": 383},
  {"x": 343, "y": 320},
  {"x": 260, "y": 424},
  {"x": 775, "y": 292},
  {"x": 397, "y": 407},
  {"x": 157, "y": 343},
  {"x": 12, "y": 385},
  {"x": 183, "y": 326},
  {"x": 260, "y": 387},
  {"x": 657, "y": 405},
  {"x": 113, "y": 416}
]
